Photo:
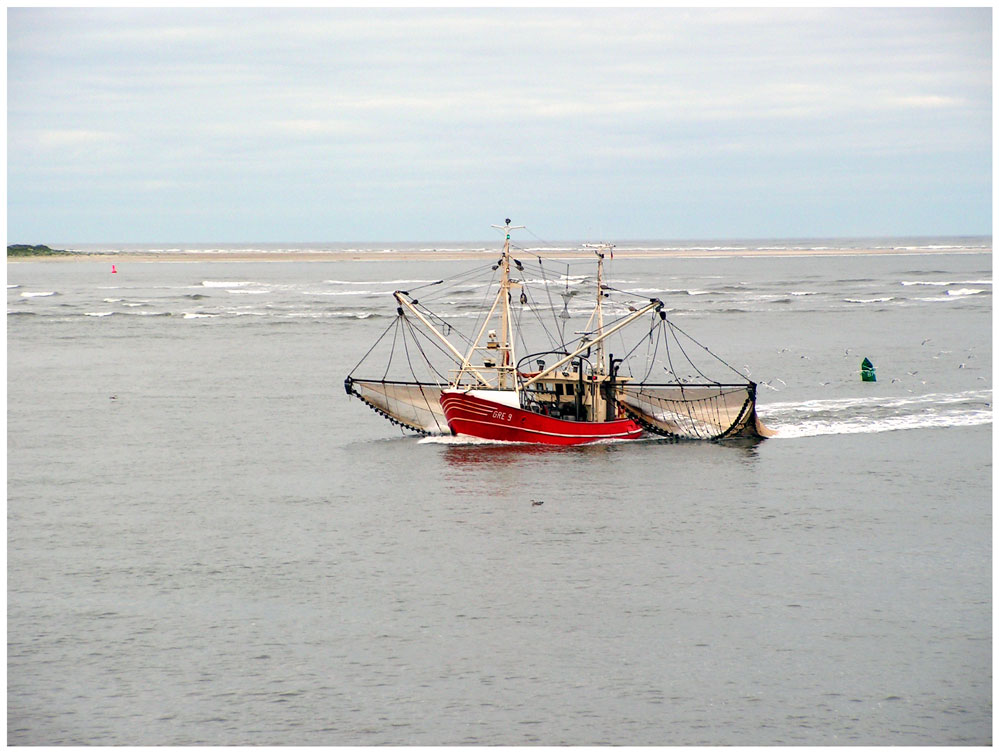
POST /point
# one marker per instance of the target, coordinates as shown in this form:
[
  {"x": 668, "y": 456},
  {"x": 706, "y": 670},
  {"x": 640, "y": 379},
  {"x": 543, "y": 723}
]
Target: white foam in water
[
  {"x": 226, "y": 283},
  {"x": 463, "y": 439},
  {"x": 946, "y": 297},
  {"x": 45, "y": 294},
  {"x": 377, "y": 282},
  {"x": 345, "y": 292},
  {"x": 872, "y": 415},
  {"x": 864, "y": 426}
]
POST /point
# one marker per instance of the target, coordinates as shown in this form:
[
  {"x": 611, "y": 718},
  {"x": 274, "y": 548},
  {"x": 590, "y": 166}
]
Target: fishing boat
[{"x": 502, "y": 367}]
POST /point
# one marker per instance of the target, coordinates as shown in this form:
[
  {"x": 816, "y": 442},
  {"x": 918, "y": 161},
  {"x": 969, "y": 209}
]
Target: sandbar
[{"x": 409, "y": 255}]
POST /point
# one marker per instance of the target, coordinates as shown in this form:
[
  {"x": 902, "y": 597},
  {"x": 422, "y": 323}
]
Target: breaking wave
[
  {"x": 376, "y": 282},
  {"x": 872, "y": 415},
  {"x": 226, "y": 283}
]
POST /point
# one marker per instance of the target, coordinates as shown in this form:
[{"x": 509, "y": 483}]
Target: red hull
[{"x": 485, "y": 419}]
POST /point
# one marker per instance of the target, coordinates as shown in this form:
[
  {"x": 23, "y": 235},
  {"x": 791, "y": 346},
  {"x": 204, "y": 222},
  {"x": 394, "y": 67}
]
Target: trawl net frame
[
  {"x": 697, "y": 411},
  {"x": 414, "y": 405}
]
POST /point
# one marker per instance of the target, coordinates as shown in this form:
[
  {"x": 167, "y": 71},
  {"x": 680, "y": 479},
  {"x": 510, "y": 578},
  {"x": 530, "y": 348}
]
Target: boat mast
[
  {"x": 507, "y": 359},
  {"x": 598, "y": 310},
  {"x": 503, "y": 361}
]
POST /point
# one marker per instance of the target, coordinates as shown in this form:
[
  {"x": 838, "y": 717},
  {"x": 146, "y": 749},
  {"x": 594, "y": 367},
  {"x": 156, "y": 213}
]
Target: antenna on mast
[{"x": 508, "y": 227}]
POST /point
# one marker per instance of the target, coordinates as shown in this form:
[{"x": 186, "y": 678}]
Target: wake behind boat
[{"x": 441, "y": 376}]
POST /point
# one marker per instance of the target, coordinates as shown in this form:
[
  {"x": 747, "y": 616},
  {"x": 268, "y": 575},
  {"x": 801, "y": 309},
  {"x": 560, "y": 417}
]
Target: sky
[{"x": 335, "y": 124}]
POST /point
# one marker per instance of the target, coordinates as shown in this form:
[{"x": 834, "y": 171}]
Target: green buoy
[{"x": 867, "y": 373}]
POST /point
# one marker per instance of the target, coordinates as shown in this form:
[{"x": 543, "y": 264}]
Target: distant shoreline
[{"x": 335, "y": 256}]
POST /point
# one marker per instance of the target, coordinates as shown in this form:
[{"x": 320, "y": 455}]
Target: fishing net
[
  {"x": 413, "y": 405},
  {"x": 698, "y": 411}
]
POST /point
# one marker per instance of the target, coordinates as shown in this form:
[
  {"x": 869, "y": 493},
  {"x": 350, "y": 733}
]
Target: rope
[
  {"x": 680, "y": 346},
  {"x": 655, "y": 352},
  {"x": 483, "y": 309},
  {"x": 551, "y": 305},
  {"x": 556, "y": 344},
  {"x": 717, "y": 358},
  {"x": 627, "y": 355},
  {"x": 423, "y": 393},
  {"x": 391, "y": 324},
  {"x": 444, "y": 322},
  {"x": 395, "y": 338},
  {"x": 415, "y": 334}
]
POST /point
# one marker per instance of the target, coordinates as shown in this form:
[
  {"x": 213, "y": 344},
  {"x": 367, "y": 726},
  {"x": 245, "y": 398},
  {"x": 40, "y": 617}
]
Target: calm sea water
[{"x": 209, "y": 543}]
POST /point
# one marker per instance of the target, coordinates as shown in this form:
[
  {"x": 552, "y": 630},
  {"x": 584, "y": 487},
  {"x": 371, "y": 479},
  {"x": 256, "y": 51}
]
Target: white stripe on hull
[{"x": 508, "y": 427}]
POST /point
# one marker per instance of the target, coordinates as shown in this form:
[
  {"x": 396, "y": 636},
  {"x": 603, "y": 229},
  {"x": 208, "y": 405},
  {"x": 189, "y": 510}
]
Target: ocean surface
[{"x": 209, "y": 543}]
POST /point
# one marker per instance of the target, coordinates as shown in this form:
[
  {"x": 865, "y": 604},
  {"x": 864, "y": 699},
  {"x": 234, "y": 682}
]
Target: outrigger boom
[
  {"x": 655, "y": 305},
  {"x": 465, "y": 365}
]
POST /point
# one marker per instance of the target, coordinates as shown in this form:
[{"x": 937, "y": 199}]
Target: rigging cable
[
  {"x": 364, "y": 358},
  {"x": 556, "y": 343},
  {"x": 418, "y": 333},
  {"x": 482, "y": 317},
  {"x": 412, "y": 371},
  {"x": 680, "y": 346},
  {"x": 628, "y": 355},
  {"x": 652, "y": 361},
  {"x": 534, "y": 309},
  {"x": 395, "y": 337},
  {"x": 693, "y": 424},
  {"x": 717, "y": 358}
]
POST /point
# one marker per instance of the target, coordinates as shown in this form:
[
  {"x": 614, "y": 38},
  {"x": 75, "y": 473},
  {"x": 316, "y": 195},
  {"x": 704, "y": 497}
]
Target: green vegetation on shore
[{"x": 21, "y": 249}]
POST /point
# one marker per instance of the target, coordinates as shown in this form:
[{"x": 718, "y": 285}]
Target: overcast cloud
[{"x": 342, "y": 124}]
